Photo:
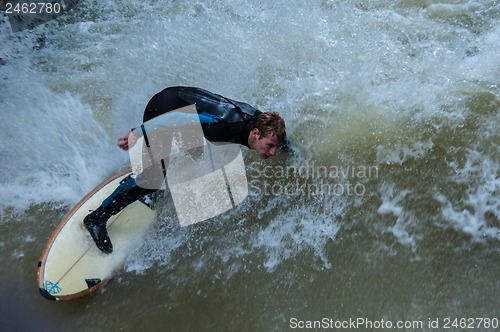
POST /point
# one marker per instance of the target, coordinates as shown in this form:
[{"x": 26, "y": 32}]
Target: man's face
[{"x": 266, "y": 146}]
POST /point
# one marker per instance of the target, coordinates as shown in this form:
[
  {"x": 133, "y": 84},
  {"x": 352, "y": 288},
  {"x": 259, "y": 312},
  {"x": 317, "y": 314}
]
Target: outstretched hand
[{"x": 127, "y": 141}]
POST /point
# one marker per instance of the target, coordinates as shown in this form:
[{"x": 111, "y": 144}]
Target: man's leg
[
  {"x": 130, "y": 190},
  {"x": 127, "y": 192}
]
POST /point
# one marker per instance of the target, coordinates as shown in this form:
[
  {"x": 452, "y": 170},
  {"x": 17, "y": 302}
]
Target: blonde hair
[{"x": 271, "y": 123}]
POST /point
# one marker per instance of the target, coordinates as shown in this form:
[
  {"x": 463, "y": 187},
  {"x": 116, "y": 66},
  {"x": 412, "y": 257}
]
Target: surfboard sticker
[
  {"x": 71, "y": 266},
  {"x": 52, "y": 288}
]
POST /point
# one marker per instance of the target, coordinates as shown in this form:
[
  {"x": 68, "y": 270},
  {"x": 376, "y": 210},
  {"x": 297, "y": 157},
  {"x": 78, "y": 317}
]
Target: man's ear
[{"x": 255, "y": 132}]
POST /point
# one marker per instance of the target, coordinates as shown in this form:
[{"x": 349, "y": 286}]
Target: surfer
[{"x": 222, "y": 120}]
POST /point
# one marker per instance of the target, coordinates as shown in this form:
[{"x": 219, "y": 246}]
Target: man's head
[{"x": 267, "y": 134}]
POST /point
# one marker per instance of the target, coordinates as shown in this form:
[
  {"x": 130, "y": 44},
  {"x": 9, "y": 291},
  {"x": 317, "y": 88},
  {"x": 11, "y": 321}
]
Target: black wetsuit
[{"x": 221, "y": 119}]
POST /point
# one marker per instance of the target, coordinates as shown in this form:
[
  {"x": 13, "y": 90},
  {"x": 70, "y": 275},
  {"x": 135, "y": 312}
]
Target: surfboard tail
[
  {"x": 47, "y": 295},
  {"x": 71, "y": 266}
]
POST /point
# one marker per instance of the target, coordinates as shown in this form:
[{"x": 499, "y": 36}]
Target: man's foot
[{"x": 99, "y": 234}]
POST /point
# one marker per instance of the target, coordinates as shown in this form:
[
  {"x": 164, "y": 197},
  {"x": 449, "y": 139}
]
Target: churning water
[{"x": 388, "y": 209}]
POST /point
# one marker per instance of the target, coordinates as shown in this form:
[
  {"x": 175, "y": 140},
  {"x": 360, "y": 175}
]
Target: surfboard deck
[{"x": 71, "y": 266}]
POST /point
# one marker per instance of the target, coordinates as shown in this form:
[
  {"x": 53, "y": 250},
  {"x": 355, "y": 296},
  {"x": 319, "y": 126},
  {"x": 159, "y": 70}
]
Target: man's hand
[{"x": 127, "y": 141}]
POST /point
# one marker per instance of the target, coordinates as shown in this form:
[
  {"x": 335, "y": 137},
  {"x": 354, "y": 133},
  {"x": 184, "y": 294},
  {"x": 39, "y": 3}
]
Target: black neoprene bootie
[{"x": 95, "y": 223}]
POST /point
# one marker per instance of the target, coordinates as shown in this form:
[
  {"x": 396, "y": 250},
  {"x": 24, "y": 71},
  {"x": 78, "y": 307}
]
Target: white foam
[
  {"x": 400, "y": 153},
  {"x": 393, "y": 204},
  {"x": 478, "y": 212}
]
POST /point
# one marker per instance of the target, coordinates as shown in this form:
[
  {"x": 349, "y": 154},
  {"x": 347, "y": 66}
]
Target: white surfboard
[{"x": 71, "y": 266}]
